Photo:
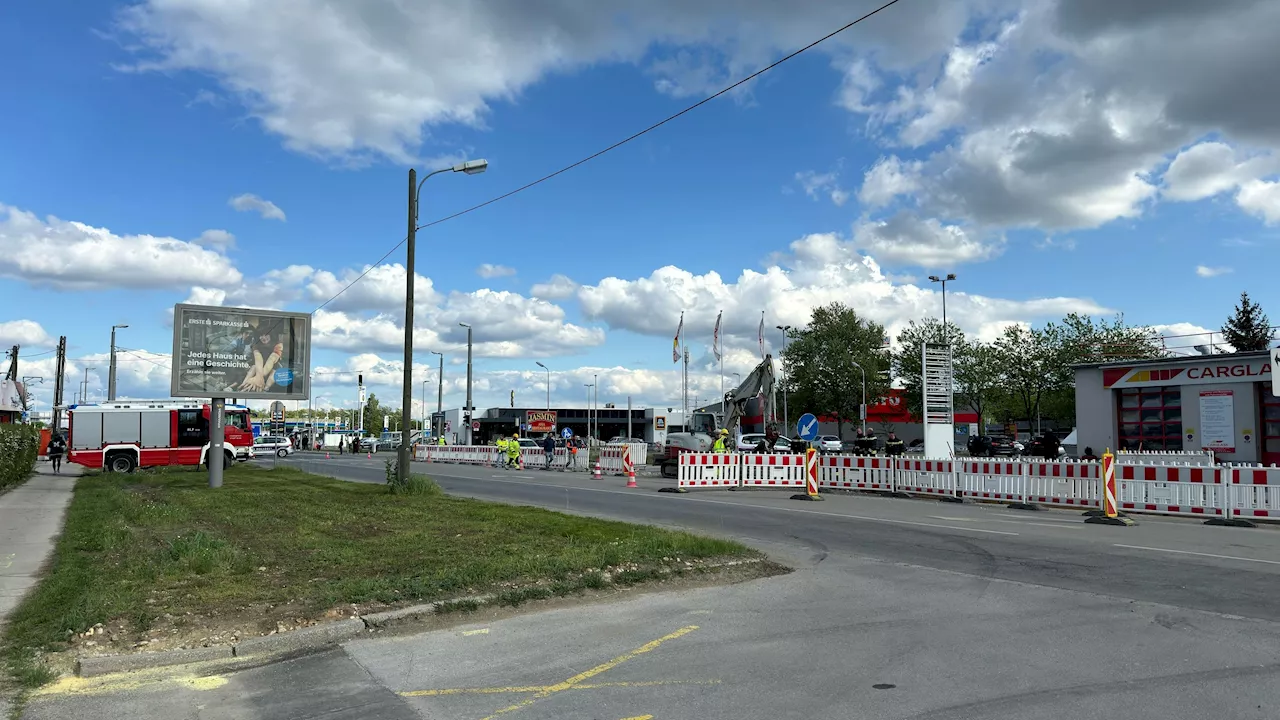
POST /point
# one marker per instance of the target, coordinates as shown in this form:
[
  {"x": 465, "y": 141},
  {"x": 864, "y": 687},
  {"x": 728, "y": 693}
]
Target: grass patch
[{"x": 155, "y": 548}]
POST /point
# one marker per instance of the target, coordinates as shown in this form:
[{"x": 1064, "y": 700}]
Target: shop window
[
  {"x": 1151, "y": 418},
  {"x": 1270, "y": 425}
]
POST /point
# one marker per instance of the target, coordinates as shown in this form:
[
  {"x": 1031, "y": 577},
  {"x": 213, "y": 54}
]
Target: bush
[{"x": 19, "y": 445}]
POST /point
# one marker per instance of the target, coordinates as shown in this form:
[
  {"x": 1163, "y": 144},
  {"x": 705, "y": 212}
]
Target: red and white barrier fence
[{"x": 1222, "y": 491}]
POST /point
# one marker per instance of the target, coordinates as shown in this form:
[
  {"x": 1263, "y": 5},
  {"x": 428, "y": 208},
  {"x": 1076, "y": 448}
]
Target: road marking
[
  {"x": 539, "y": 688},
  {"x": 747, "y": 505},
  {"x": 7, "y": 561},
  {"x": 1188, "y": 552},
  {"x": 588, "y": 674},
  {"x": 481, "y": 631},
  {"x": 123, "y": 682},
  {"x": 1050, "y": 523},
  {"x": 639, "y": 717}
]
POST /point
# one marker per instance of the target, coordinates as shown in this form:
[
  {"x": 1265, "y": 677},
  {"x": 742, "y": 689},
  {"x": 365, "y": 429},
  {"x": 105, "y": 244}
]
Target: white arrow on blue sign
[{"x": 807, "y": 427}]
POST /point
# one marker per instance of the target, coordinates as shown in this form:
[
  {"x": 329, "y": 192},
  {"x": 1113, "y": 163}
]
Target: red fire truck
[{"x": 121, "y": 436}]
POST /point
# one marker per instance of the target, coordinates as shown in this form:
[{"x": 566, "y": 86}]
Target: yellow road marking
[
  {"x": 588, "y": 674},
  {"x": 72, "y": 685},
  {"x": 540, "y": 688},
  {"x": 481, "y": 631},
  {"x": 639, "y": 717}
]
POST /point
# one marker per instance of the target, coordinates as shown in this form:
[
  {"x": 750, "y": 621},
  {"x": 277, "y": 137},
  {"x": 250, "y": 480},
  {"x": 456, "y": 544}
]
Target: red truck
[{"x": 122, "y": 436}]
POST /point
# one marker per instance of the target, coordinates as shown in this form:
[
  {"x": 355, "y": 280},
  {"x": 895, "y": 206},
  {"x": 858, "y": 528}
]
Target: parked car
[
  {"x": 749, "y": 441},
  {"x": 991, "y": 446},
  {"x": 272, "y": 444},
  {"x": 529, "y": 443},
  {"x": 829, "y": 443}
]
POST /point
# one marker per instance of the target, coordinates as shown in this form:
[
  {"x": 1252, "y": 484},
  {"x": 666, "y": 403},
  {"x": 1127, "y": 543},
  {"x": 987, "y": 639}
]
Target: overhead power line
[{"x": 614, "y": 146}]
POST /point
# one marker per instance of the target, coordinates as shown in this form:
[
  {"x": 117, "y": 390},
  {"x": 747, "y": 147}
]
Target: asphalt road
[{"x": 898, "y": 609}]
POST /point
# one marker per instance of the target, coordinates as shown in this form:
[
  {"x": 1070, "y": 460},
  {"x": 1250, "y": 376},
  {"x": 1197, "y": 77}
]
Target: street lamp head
[
  {"x": 462, "y": 324},
  {"x": 951, "y": 276},
  {"x": 539, "y": 364},
  {"x": 472, "y": 167},
  {"x": 113, "y": 327},
  {"x": 934, "y": 278}
]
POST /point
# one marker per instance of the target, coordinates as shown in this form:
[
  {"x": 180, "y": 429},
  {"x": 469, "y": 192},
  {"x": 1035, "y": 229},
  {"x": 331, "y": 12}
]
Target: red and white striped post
[
  {"x": 1109, "y": 514},
  {"x": 810, "y": 477},
  {"x": 627, "y": 467}
]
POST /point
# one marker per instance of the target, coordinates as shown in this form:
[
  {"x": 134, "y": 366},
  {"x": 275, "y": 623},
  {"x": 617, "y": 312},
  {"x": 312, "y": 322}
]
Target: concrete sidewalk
[{"x": 30, "y": 521}]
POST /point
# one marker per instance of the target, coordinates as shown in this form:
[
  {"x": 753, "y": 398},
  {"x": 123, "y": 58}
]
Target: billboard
[
  {"x": 240, "y": 353},
  {"x": 541, "y": 421}
]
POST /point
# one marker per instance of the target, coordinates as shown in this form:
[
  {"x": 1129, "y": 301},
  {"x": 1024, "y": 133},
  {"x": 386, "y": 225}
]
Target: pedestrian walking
[
  {"x": 57, "y": 446},
  {"x": 572, "y": 445},
  {"x": 549, "y": 447},
  {"x": 513, "y": 451}
]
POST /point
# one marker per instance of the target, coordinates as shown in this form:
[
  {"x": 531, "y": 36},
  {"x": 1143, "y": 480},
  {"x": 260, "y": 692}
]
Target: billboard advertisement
[
  {"x": 240, "y": 353},
  {"x": 541, "y": 421}
]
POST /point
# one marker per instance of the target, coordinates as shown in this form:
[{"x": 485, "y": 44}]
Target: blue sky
[{"x": 1049, "y": 155}]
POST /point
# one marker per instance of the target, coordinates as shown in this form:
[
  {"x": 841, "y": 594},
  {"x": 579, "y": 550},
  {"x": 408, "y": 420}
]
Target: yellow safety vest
[{"x": 718, "y": 447}]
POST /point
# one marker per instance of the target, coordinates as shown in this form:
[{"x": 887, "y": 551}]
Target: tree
[
  {"x": 979, "y": 378},
  {"x": 1032, "y": 361},
  {"x": 821, "y": 363},
  {"x": 1248, "y": 329},
  {"x": 906, "y": 360}
]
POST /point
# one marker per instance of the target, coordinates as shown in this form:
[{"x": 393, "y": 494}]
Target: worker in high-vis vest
[
  {"x": 721, "y": 443},
  {"x": 440, "y": 440},
  {"x": 501, "y": 443},
  {"x": 513, "y": 451}
]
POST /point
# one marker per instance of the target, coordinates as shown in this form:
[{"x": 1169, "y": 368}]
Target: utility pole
[
  {"x": 59, "y": 383},
  {"x": 466, "y": 411},
  {"x": 84, "y": 384},
  {"x": 595, "y": 404},
  {"x": 628, "y": 418},
  {"x": 111, "y": 368},
  {"x": 786, "y": 413},
  {"x": 406, "y": 394},
  {"x": 439, "y": 396}
]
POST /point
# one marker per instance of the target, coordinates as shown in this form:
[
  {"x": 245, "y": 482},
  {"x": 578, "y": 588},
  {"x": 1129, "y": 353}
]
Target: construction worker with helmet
[
  {"x": 721, "y": 443},
  {"x": 513, "y": 450}
]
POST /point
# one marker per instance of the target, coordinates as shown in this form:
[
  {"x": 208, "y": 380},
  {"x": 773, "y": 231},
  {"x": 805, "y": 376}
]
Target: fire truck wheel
[{"x": 121, "y": 463}]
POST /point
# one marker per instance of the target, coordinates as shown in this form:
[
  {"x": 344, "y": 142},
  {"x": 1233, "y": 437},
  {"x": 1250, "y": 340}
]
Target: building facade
[{"x": 1222, "y": 403}]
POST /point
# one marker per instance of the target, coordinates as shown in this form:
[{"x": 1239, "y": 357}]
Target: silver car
[{"x": 269, "y": 444}]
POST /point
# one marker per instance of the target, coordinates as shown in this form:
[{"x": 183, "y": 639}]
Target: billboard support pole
[
  {"x": 217, "y": 419},
  {"x": 406, "y": 399}
]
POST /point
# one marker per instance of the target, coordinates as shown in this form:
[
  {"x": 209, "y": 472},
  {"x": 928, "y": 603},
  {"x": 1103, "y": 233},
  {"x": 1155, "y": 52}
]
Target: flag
[
  {"x": 675, "y": 344},
  {"x": 715, "y": 338},
  {"x": 760, "y": 334}
]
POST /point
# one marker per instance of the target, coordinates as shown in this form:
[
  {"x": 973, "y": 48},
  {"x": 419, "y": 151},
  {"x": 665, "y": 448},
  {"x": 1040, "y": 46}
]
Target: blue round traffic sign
[
  {"x": 807, "y": 427},
  {"x": 566, "y": 433}
]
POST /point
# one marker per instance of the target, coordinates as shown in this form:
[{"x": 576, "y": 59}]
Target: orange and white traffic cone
[
  {"x": 326, "y": 456},
  {"x": 596, "y": 473},
  {"x": 368, "y": 456},
  {"x": 628, "y": 467}
]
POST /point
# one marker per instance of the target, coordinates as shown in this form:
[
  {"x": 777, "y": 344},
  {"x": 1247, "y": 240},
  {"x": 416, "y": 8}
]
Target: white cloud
[
  {"x": 1211, "y": 168},
  {"x": 23, "y": 332},
  {"x": 359, "y": 79},
  {"x": 1183, "y": 338},
  {"x": 1261, "y": 198},
  {"x": 819, "y": 269},
  {"x": 559, "y": 287},
  {"x": 382, "y": 289},
  {"x": 75, "y": 256},
  {"x": 905, "y": 239},
  {"x": 887, "y": 179},
  {"x": 823, "y": 184},
  {"x": 249, "y": 202},
  {"x": 1205, "y": 271},
  {"x": 219, "y": 240},
  {"x": 489, "y": 270}
]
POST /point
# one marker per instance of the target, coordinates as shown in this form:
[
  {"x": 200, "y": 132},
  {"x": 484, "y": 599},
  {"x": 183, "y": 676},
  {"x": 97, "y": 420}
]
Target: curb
[{"x": 296, "y": 641}]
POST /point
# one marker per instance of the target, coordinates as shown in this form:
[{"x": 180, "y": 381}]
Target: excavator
[{"x": 700, "y": 433}]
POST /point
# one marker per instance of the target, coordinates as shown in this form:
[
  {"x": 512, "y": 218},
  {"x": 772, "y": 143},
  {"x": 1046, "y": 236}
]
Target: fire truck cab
[{"x": 122, "y": 436}]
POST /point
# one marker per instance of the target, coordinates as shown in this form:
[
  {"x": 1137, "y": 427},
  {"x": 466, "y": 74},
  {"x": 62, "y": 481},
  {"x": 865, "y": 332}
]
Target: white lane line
[
  {"x": 1188, "y": 552},
  {"x": 755, "y": 507},
  {"x": 1048, "y": 523}
]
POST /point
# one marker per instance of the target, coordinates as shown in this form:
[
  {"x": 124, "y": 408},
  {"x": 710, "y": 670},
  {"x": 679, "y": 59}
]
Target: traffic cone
[
  {"x": 368, "y": 456},
  {"x": 326, "y": 456},
  {"x": 631, "y": 478},
  {"x": 631, "y": 469},
  {"x": 596, "y": 473}
]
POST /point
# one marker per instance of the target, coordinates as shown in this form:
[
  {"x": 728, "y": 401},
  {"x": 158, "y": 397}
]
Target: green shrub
[
  {"x": 19, "y": 445},
  {"x": 412, "y": 485}
]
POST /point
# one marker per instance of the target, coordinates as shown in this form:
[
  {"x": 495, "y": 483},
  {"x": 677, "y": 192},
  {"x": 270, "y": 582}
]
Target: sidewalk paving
[{"x": 30, "y": 521}]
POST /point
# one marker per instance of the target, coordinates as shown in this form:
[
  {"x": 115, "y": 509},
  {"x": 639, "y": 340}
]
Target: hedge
[{"x": 18, "y": 447}]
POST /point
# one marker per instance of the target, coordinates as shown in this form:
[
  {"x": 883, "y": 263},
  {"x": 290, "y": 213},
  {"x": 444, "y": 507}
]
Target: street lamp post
[
  {"x": 466, "y": 411},
  {"x": 588, "y": 386},
  {"x": 544, "y": 367},
  {"x": 786, "y": 414},
  {"x": 944, "y": 280},
  {"x": 863, "y": 411},
  {"x": 111, "y": 371},
  {"x": 84, "y": 385},
  {"x": 422, "y": 427},
  {"x": 595, "y": 404},
  {"x": 439, "y": 396},
  {"x": 470, "y": 167}
]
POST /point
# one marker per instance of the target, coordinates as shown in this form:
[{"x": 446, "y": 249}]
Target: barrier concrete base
[
  {"x": 1099, "y": 513},
  {"x": 806, "y": 496},
  {"x": 951, "y": 499},
  {"x": 1231, "y": 522},
  {"x": 673, "y": 490},
  {"x": 1024, "y": 506},
  {"x": 1104, "y": 520}
]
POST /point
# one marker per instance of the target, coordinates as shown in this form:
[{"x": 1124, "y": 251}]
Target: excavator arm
[{"x": 758, "y": 382}]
